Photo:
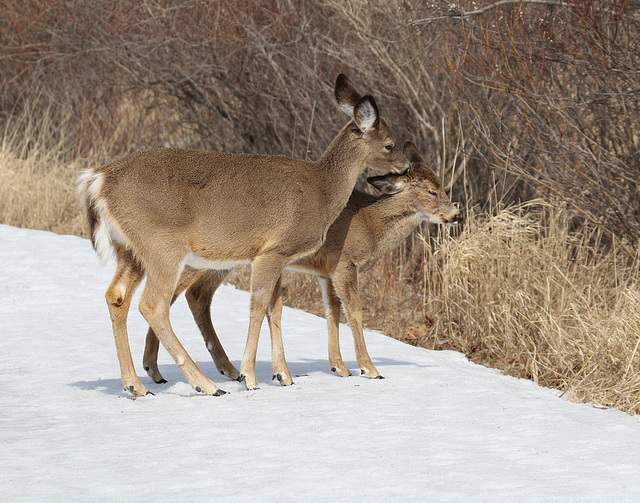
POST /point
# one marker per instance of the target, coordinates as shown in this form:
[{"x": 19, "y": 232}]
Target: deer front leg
[
  {"x": 265, "y": 272},
  {"x": 128, "y": 275},
  {"x": 154, "y": 306},
  {"x": 152, "y": 344},
  {"x": 199, "y": 295},
  {"x": 274, "y": 315},
  {"x": 332, "y": 314},
  {"x": 345, "y": 281}
]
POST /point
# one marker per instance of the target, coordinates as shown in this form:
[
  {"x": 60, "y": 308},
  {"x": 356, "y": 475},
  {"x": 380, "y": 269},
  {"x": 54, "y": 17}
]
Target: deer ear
[
  {"x": 412, "y": 154},
  {"x": 366, "y": 114},
  {"x": 388, "y": 184},
  {"x": 346, "y": 95}
]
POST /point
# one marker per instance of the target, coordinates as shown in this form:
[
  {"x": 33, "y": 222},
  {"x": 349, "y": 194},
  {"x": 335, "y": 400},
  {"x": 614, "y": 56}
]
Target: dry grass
[
  {"x": 38, "y": 168},
  {"x": 37, "y": 188},
  {"x": 519, "y": 291},
  {"x": 38, "y": 198}
]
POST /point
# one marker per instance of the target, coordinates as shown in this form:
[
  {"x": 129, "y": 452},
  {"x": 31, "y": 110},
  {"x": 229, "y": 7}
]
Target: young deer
[
  {"x": 366, "y": 229},
  {"x": 161, "y": 210}
]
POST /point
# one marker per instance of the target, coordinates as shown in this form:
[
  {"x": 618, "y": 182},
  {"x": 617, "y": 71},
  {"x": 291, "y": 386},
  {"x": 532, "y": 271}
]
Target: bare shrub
[
  {"x": 522, "y": 291},
  {"x": 551, "y": 91},
  {"x": 514, "y": 99},
  {"x": 235, "y": 76}
]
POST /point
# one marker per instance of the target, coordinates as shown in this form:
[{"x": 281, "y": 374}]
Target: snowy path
[{"x": 439, "y": 428}]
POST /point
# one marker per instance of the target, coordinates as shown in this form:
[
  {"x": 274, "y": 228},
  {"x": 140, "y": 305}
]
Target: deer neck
[
  {"x": 394, "y": 221},
  {"x": 340, "y": 166}
]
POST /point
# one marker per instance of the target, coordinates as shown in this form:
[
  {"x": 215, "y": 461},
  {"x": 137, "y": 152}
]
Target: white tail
[
  {"x": 106, "y": 229},
  {"x": 163, "y": 210},
  {"x": 366, "y": 229}
]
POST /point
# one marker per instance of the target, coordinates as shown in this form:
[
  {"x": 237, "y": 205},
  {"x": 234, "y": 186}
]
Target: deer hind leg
[
  {"x": 274, "y": 315},
  {"x": 154, "y": 306},
  {"x": 332, "y": 313},
  {"x": 345, "y": 281},
  {"x": 152, "y": 344},
  {"x": 128, "y": 275},
  {"x": 265, "y": 272},
  {"x": 199, "y": 295}
]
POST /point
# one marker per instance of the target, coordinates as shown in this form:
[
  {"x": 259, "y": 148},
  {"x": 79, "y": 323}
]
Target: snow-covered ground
[{"x": 438, "y": 428}]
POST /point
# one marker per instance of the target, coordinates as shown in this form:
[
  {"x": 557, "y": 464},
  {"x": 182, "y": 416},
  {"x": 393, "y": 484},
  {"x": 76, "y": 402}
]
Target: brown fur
[
  {"x": 164, "y": 209},
  {"x": 366, "y": 229}
]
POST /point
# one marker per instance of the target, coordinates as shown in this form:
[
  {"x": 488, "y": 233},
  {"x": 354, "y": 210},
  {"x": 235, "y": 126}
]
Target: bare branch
[{"x": 457, "y": 12}]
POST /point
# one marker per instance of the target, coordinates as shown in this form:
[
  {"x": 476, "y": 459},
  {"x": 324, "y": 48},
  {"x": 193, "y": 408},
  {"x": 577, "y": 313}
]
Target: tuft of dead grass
[
  {"x": 522, "y": 291},
  {"x": 38, "y": 169},
  {"x": 39, "y": 193}
]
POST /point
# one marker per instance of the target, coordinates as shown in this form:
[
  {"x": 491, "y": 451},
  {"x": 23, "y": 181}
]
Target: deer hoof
[
  {"x": 342, "y": 372},
  {"x": 136, "y": 390},
  {"x": 283, "y": 379},
  {"x": 231, "y": 373}
]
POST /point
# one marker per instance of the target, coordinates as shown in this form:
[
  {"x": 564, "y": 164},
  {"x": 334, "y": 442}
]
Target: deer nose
[{"x": 457, "y": 219}]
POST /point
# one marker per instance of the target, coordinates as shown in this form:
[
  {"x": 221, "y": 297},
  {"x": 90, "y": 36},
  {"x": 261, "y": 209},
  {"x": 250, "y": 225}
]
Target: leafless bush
[
  {"x": 535, "y": 98},
  {"x": 551, "y": 91},
  {"x": 237, "y": 76},
  {"x": 522, "y": 291}
]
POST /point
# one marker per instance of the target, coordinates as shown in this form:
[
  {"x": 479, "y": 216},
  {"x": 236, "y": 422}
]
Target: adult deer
[
  {"x": 162, "y": 210},
  {"x": 366, "y": 229}
]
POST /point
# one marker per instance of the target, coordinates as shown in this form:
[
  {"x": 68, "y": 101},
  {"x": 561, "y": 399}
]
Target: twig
[
  {"x": 313, "y": 113},
  {"x": 457, "y": 12}
]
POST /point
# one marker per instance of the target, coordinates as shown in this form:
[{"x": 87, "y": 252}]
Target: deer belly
[{"x": 197, "y": 262}]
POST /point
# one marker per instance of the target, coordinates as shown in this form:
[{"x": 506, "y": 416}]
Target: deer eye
[
  {"x": 389, "y": 147},
  {"x": 433, "y": 193}
]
